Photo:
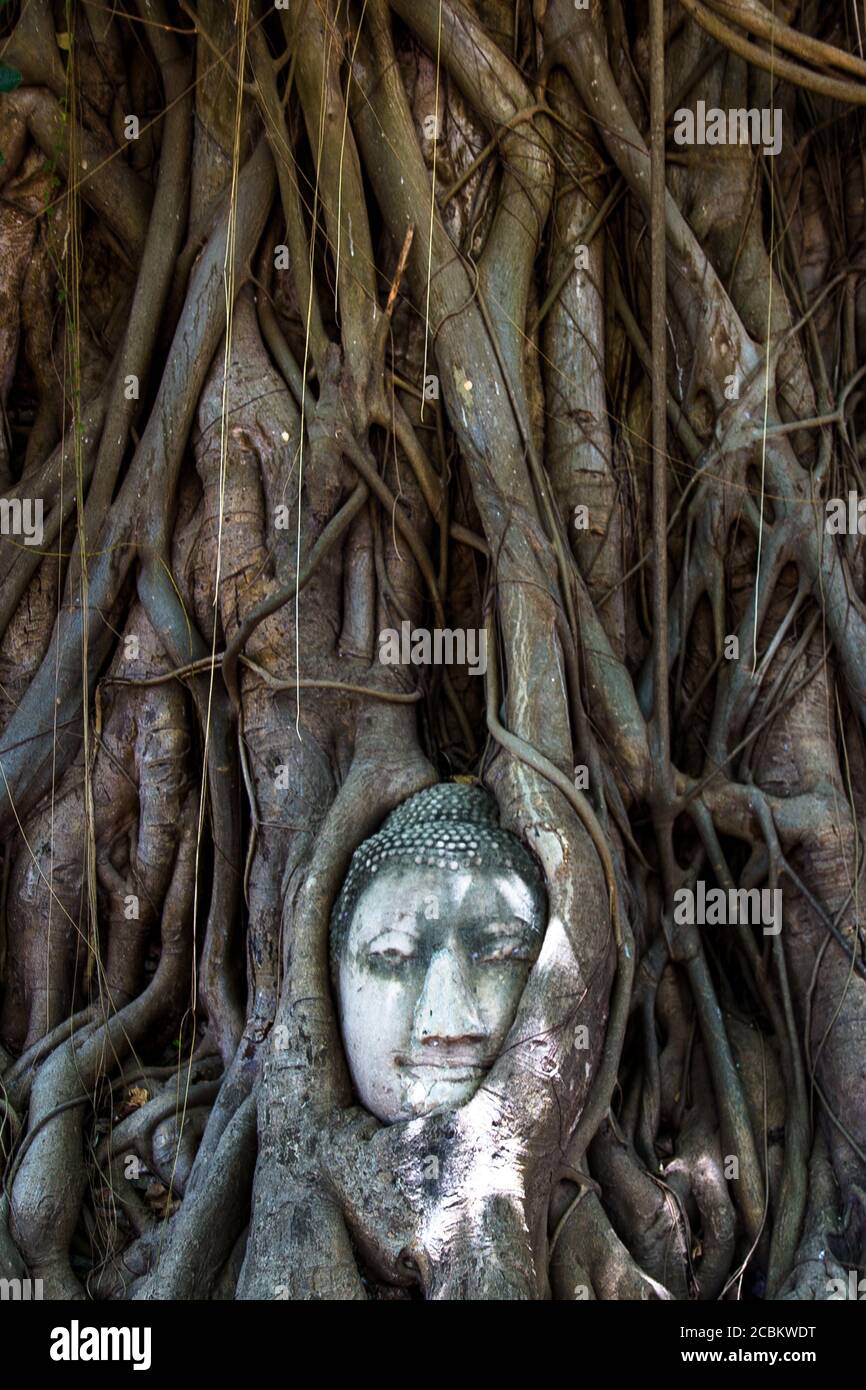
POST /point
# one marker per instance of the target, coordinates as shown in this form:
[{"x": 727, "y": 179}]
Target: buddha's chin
[{"x": 427, "y": 1089}]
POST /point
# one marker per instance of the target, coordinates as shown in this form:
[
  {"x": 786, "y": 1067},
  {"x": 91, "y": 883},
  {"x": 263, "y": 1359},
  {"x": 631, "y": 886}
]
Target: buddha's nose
[{"x": 447, "y": 1010}]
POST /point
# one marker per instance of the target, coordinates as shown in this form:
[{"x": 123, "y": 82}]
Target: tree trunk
[{"x": 540, "y": 323}]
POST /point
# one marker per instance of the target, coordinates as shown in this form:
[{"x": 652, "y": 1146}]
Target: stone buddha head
[{"x": 436, "y": 928}]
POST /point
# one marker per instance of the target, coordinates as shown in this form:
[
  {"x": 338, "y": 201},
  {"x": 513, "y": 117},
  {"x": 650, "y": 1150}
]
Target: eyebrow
[
  {"x": 508, "y": 924},
  {"x": 406, "y": 925}
]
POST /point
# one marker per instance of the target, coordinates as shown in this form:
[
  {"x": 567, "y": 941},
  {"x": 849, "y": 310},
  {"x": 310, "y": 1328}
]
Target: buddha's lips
[{"x": 446, "y": 1064}]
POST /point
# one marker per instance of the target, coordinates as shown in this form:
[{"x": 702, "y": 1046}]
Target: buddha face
[{"x": 429, "y": 978}]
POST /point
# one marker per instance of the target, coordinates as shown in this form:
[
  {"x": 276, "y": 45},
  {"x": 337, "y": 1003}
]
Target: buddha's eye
[
  {"x": 495, "y": 952},
  {"x": 392, "y": 949}
]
